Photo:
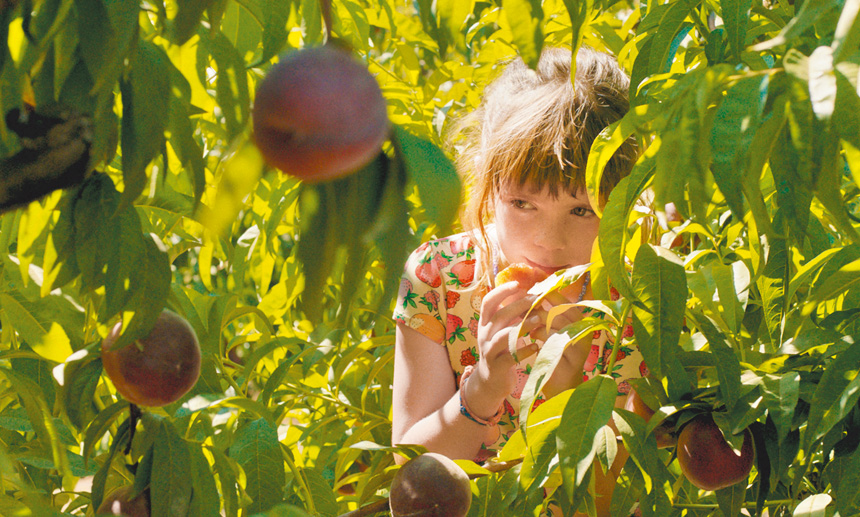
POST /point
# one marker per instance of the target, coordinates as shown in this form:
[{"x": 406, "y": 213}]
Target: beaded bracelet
[{"x": 464, "y": 408}]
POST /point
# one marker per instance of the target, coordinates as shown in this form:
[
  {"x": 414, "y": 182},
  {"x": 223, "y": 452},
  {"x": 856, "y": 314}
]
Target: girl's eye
[
  {"x": 580, "y": 211},
  {"x": 519, "y": 203}
]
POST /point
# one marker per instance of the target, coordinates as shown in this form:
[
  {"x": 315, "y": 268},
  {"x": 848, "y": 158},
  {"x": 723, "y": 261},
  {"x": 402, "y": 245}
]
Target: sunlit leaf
[
  {"x": 660, "y": 287},
  {"x": 524, "y": 17},
  {"x": 588, "y": 410}
]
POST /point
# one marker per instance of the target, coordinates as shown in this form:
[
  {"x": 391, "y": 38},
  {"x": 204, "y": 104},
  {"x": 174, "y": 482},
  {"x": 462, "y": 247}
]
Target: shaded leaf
[
  {"x": 256, "y": 449},
  {"x": 170, "y": 489},
  {"x": 145, "y": 112},
  {"x": 736, "y": 15}
]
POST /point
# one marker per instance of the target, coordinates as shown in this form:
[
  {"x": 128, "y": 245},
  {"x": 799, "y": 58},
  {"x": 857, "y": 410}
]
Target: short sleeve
[{"x": 421, "y": 289}]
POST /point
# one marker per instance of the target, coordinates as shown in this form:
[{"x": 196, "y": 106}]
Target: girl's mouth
[{"x": 549, "y": 270}]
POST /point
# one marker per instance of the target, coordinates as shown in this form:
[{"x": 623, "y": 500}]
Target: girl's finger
[{"x": 493, "y": 300}]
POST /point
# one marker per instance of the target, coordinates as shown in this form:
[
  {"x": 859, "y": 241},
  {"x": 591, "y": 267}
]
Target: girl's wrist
[{"x": 478, "y": 398}]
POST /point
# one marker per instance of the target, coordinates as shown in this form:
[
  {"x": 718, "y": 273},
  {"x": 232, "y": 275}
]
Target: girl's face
[{"x": 545, "y": 231}]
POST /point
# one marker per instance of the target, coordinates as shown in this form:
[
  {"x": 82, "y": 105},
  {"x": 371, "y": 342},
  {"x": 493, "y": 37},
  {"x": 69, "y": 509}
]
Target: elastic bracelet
[{"x": 464, "y": 407}]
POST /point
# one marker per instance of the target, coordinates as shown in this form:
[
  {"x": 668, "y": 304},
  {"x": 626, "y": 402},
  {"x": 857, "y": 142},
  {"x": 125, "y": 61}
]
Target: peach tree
[{"x": 130, "y": 183}]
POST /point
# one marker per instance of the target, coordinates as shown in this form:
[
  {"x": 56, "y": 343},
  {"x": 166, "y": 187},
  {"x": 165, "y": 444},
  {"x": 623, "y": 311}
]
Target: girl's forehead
[{"x": 532, "y": 188}]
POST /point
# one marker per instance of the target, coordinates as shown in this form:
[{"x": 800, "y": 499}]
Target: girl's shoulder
[{"x": 447, "y": 261}]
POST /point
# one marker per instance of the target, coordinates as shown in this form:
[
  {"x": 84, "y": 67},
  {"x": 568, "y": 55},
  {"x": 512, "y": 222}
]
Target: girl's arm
[
  {"x": 426, "y": 401},
  {"x": 426, "y": 405}
]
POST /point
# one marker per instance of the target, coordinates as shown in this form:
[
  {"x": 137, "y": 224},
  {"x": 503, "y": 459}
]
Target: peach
[
  {"x": 523, "y": 274},
  {"x": 430, "y": 484},
  {"x": 158, "y": 369},
  {"x": 319, "y": 114}
]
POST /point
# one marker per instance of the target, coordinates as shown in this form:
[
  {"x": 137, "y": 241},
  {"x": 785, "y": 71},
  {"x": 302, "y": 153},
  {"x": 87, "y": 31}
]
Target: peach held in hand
[{"x": 523, "y": 274}]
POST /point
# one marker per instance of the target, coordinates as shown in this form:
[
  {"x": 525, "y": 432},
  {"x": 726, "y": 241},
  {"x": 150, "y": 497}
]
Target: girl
[{"x": 525, "y": 151}]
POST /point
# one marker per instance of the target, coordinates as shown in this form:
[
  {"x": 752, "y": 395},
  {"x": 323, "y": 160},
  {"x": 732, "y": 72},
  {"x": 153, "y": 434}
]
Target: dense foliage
[{"x": 751, "y": 116}]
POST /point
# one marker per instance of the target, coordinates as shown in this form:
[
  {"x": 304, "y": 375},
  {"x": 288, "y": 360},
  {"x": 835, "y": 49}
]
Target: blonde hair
[{"x": 536, "y": 127}]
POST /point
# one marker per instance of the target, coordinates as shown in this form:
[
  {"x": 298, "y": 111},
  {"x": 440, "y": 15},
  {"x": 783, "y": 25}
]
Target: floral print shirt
[{"x": 440, "y": 297}]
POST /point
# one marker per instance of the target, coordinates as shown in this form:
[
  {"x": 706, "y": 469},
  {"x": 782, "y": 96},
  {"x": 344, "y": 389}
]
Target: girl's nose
[{"x": 551, "y": 235}]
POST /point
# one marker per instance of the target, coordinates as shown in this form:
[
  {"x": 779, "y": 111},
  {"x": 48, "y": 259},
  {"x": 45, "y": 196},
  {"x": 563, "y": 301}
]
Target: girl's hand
[{"x": 502, "y": 310}]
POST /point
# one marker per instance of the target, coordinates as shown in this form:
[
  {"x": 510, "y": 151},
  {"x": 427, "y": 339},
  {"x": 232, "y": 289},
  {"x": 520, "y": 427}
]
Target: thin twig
[{"x": 369, "y": 509}]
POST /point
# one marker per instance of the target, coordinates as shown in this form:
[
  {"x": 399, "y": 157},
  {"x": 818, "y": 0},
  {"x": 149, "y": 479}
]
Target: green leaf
[
  {"x": 580, "y": 12},
  {"x": 737, "y": 118},
  {"x": 728, "y": 367},
  {"x": 205, "y": 500},
  {"x": 781, "y": 395},
  {"x": 628, "y": 490},
  {"x": 661, "y": 287},
  {"x": 524, "y": 18},
  {"x": 848, "y": 491},
  {"x": 548, "y": 358},
  {"x": 613, "y": 235},
  {"x": 434, "y": 174},
  {"x": 780, "y": 455},
  {"x": 171, "y": 480},
  {"x": 182, "y": 133},
  {"x": 321, "y": 492},
  {"x": 40, "y": 323},
  {"x": 793, "y": 190},
  {"x": 541, "y": 450},
  {"x": 774, "y": 280},
  {"x": 99, "y": 426},
  {"x": 120, "y": 439},
  {"x": 731, "y": 499},
  {"x": 187, "y": 19},
  {"x": 275, "y": 18},
  {"x": 736, "y": 15},
  {"x": 224, "y": 468},
  {"x": 40, "y": 417},
  {"x": 452, "y": 16},
  {"x": 148, "y": 293},
  {"x": 847, "y": 103},
  {"x": 836, "y": 394},
  {"x": 670, "y": 31},
  {"x": 231, "y": 87},
  {"x": 106, "y": 31},
  {"x": 846, "y": 37},
  {"x": 80, "y": 379},
  {"x": 642, "y": 447},
  {"x": 145, "y": 113},
  {"x": 256, "y": 449},
  {"x": 827, "y": 186},
  {"x": 95, "y": 228},
  {"x": 588, "y": 410},
  {"x": 284, "y": 510},
  {"x": 806, "y": 17},
  {"x": 604, "y": 147}
]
